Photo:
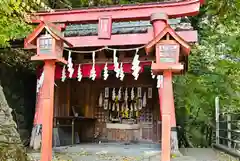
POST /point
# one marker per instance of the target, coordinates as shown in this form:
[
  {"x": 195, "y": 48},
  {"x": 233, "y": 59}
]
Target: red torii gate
[{"x": 157, "y": 12}]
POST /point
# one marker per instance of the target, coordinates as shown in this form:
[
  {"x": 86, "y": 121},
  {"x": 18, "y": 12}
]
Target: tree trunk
[{"x": 11, "y": 147}]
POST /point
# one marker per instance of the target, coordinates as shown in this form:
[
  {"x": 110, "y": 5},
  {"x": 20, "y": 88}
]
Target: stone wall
[{"x": 19, "y": 89}]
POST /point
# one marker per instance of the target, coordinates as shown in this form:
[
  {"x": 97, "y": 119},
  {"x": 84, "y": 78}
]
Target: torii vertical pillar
[
  {"x": 166, "y": 99},
  {"x": 47, "y": 99}
]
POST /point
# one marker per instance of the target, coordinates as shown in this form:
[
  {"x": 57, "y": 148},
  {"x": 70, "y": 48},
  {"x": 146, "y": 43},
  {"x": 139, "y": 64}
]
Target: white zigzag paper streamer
[
  {"x": 105, "y": 72},
  {"x": 79, "y": 75},
  {"x": 135, "y": 65},
  {"x": 93, "y": 71},
  {"x": 63, "y": 78},
  {"x": 70, "y": 65},
  {"x": 121, "y": 72},
  {"x": 116, "y": 64}
]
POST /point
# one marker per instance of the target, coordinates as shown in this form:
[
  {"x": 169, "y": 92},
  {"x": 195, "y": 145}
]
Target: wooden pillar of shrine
[
  {"x": 166, "y": 101},
  {"x": 47, "y": 98}
]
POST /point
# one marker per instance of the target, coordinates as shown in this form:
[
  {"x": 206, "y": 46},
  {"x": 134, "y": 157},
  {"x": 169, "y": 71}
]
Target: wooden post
[
  {"x": 47, "y": 103},
  {"x": 229, "y": 131},
  {"x": 166, "y": 100},
  {"x": 166, "y": 103},
  {"x": 217, "y": 118}
]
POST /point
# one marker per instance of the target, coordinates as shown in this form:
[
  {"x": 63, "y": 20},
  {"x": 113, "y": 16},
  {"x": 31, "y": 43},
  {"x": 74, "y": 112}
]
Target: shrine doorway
[{"x": 108, "y": 110}]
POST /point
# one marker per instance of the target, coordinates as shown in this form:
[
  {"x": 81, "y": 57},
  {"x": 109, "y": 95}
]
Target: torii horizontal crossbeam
[
  {"x": 132, "y": 12},
  {"x": 125, "y": 39}
]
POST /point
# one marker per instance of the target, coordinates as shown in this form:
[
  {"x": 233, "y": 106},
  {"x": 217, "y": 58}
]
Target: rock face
[
  {"x": 10, "y": 142},
  {"x": 19, "y": 87}
]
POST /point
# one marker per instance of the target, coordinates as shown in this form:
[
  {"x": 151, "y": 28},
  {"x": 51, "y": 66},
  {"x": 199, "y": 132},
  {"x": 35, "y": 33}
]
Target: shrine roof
[
  {"x": 52, "y": 29},
  {"x": 128, "y": 27},
  {"x": 168, "y": 29}
]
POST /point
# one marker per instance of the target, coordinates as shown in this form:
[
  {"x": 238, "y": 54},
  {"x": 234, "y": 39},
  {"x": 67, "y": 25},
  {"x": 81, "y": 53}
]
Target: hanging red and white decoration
[
  {"x": 79, "y": 74},
  {"x": 63, "y": 73},
  {"x": 70, "y": 65},
  {"x": 93, "y": 71},
  {"x": 135, "y": 65},
  {"x": 105, "y": 72}
]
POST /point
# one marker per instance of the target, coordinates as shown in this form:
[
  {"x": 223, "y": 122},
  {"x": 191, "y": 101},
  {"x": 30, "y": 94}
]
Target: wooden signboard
[
  {"x": 168, "y": 52},
  {"x": 105, "y": 27}
]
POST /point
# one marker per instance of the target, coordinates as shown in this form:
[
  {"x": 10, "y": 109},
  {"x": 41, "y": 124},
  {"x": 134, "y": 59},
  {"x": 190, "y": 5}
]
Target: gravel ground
[{"x": 118, "y": 152}]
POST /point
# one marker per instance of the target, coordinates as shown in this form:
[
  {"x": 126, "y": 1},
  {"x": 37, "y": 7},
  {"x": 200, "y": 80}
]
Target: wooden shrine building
[{"x": 107, "y": 72}]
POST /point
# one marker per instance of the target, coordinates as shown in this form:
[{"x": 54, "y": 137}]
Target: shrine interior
[{"x": 107, "y": 110}]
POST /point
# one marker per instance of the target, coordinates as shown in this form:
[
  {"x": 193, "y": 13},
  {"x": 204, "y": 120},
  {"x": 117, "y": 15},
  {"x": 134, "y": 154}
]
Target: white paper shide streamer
[
  {"x": 116, "y": 64},
  {"x": 135, "y": 65},
  {"x": 121, "y": 72},
  {"x": 160, "y": 81},
  {"x": 93, "y": 71},
  {"x": 79, "y": 74},
  {"x": 105, "y": 72},
  {"x": 63, "y": 78},
  {"x": 70, "y": 65},
  {"x": 40, "y": 82}
]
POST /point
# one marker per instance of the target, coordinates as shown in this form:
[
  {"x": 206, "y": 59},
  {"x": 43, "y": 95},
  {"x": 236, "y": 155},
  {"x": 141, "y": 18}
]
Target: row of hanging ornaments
[
  {"x": 137, "y": 102},
  {"x": 118, "y": 70}
]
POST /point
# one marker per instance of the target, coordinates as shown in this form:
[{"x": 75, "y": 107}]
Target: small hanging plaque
[
  {"x": 140, "y": 104},
  {"x": 106, "y": 92},
  {"x": 139, "y": 90},
  {"x": 105, "y": 104},
  {"x": 149, "y": 92}
]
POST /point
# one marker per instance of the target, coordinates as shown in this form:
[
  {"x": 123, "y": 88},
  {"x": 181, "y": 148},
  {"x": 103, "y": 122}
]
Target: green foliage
[
  {"x": 12, "y": 25},
  {"x": 213, "y": 70}
]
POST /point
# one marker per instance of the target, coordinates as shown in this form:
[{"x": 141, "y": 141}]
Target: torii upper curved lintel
[{"x": 125, "y": 12}]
